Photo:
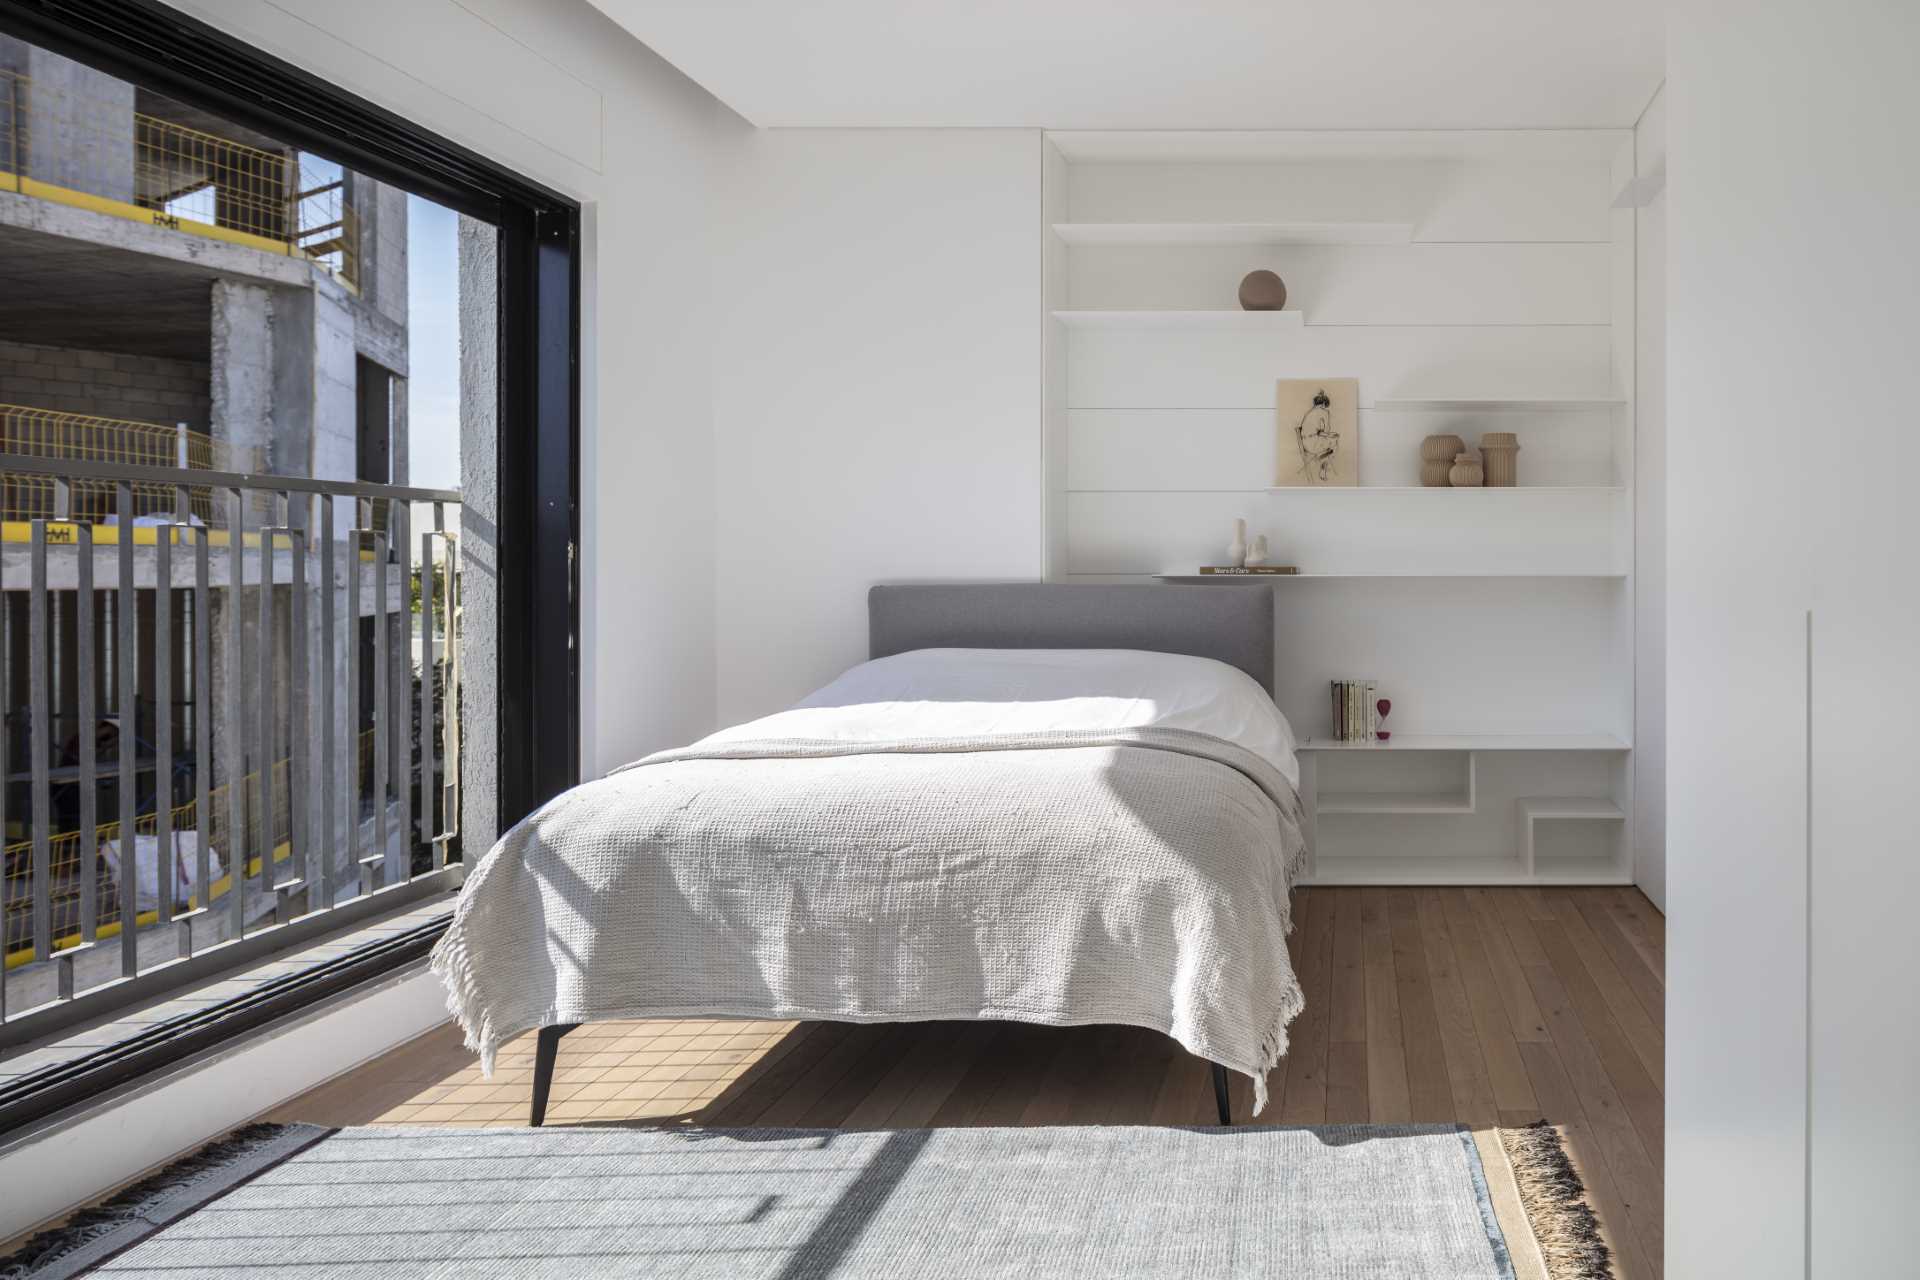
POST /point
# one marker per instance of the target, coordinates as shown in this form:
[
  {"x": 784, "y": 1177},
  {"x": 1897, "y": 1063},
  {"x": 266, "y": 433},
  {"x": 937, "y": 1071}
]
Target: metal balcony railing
[
  {"x": 47, "y": 433},
  {"x": 99, "y": 153},
  {"x": 270, "y": 706}
]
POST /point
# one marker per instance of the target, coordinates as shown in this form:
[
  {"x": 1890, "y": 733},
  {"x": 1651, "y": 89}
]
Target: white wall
[
  {"x": 1795, "y": 190},
  {"x": 1650, "y": 510},
  {"x": 556, "y": 91},
  {"x": 877, "y": 387}
]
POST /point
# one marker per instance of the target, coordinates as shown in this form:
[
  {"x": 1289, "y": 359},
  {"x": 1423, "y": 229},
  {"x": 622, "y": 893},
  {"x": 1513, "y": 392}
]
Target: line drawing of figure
[{"x": 1317, "y": 440}]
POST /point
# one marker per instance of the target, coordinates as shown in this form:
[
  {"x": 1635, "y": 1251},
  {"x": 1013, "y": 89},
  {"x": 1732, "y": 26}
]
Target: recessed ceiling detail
[{"x": 1165, "y": 64}]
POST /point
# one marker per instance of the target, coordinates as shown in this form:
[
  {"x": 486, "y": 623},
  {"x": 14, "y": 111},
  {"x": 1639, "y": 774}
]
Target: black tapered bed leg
[
  {"x": 545, "y": 1051},
  {"x": 1219, "y": 1093}
]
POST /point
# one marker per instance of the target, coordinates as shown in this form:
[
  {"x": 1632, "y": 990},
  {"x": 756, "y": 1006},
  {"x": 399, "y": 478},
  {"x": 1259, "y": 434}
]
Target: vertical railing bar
[
  {"x": 382, "y": 705},
  {"x": 6, "y": 763},
  {"x": 298, "y": 783},
  {"x": 329, "y": 805},
  {"x": 399, "y": 522},
  {"x": 86, "y": 675},
  {"x": 236, "y": 734},
  {"x": 203, "y": 707},
  {"x": 450, "y": 716},
  {"x": 265, "y": 650},
  {"x": 427, "y": 672},
  {"x": 125, "y": 650},
  {"x": 41, "y": 745},
  {"x": 165, "y": 856},
  {"x": 352, "y": 744}
]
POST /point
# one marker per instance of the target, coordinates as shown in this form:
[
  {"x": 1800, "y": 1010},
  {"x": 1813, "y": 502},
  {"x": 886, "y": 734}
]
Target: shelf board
[
  {"x": 1543, "y": 490},
  {"x": 1414, "y": 404},
  {"x": 1605, "y": 575},
  {"x": 1594, "y": 808},
  {"x": 1479, "y": 742},
  {"x": 1399, "y": 802},
  {"x": 1166, "y": 318},
  {"x": 1234, "y": 232},
  {"x": 1417, "y": 869}
]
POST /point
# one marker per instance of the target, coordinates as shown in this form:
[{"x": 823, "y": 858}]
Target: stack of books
[{"x": 1356, "y": 715}]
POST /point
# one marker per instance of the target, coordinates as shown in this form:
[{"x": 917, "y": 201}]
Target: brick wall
[{"x": 105, "y": 385}]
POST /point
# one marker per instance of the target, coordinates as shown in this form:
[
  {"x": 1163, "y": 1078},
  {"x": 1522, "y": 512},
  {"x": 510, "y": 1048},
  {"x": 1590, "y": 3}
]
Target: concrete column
[
  {"x": 479, "y": 538},
  {"x": 242, "y": 375},
  {"x": 81, "y": 122}
]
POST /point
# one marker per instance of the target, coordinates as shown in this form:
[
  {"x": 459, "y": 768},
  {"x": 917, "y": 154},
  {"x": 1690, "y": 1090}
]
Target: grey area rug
[{"x": 1333, "y": 1201}]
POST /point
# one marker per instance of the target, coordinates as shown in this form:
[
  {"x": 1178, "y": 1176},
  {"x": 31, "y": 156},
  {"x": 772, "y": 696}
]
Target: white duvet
[{"x": 964, "y": 693}]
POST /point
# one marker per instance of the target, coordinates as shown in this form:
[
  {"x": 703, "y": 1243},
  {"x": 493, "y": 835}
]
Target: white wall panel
[
  {"x": 1231, "y": 370},
  {"x": 879, "y": 394}
]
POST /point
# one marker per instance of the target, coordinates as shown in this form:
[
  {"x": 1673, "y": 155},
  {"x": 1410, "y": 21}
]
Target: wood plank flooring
[{"x": 1483, "y": 1006}]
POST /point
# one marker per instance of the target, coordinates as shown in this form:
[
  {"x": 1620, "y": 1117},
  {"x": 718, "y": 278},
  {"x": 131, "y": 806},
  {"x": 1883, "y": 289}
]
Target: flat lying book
[{"x": 1248, "y": 571}]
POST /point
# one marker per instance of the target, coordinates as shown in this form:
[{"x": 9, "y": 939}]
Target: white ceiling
[{"x": 1165, "y": 64}]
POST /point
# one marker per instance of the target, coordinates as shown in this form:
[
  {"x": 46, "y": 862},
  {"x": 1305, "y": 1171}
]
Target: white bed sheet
[{"x": 930, "y": 693}]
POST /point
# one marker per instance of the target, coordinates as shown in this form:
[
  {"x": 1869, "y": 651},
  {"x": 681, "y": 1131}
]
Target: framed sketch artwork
[{"x": 1318, "y": 442}]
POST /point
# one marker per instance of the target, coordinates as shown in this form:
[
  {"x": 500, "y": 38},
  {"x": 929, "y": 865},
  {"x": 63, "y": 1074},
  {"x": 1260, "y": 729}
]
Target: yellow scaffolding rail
[
  {"x": 67, "y": 853},
  {"x": 47, "y": 433},
  {"x": 99, "y": 154}
]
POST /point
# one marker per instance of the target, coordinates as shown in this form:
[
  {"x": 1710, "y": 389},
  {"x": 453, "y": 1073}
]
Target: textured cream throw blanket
[{"x": 1135, "y": 876}]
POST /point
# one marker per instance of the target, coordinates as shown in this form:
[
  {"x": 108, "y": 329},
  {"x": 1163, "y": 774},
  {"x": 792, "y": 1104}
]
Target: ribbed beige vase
[
  {"x": 1436, "y": 459},
  {"x": 1500, "y": 454},
  {"x": 1466, "y": 472}
]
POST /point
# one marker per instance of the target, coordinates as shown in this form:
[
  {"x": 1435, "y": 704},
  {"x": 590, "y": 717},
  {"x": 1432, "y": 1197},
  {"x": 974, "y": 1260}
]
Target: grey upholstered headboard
[{"x": 1231, "y": 622}]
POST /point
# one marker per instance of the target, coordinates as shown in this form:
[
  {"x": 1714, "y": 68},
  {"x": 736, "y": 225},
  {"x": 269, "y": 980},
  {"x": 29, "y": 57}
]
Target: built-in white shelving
[
  {"x": 1234, "y": 232},
  {"x": 1168, "y": 318},
  {"x": 1491, "y": 300}
]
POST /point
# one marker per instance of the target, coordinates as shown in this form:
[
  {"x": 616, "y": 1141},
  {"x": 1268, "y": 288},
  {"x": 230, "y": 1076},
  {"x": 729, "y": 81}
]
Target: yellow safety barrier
[
  {"x": 66, "y": 852},
  {"x": 72, "y": 149}
]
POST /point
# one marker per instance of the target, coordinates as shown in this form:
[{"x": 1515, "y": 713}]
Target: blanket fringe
[{"x": 452, "y": 962}]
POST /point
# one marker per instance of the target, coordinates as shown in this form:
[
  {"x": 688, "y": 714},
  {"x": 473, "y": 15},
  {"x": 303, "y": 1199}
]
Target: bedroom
[{"x": 954, "y": 297}]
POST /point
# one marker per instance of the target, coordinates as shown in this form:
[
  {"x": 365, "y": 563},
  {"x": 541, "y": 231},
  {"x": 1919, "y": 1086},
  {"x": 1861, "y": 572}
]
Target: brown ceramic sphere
[{"x": 1262, "y": 291}]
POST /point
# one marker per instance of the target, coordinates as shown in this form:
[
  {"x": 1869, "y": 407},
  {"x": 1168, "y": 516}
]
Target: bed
[{"x": 1046, "y": 803}]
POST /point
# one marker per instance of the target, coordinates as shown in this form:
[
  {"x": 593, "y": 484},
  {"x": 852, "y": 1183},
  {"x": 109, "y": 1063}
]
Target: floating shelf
[
  {"x": 1234, "y": 232},
  {"x": 1167, "y": 318},
  {"x": 1383, "y": 575},
  {"x": 1543, "y": 490},
  {"x": 1410, "y": 404},
  {"x": 1481, "y": 742},
  {"x": 1417, "y": 869},
  {"x": 1370, "y": 802},
  {"x": 1595, "y": 808}
]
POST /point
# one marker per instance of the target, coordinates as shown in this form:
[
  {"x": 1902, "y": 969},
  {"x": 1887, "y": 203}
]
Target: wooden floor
[{"x": 1484, "y": 1006}]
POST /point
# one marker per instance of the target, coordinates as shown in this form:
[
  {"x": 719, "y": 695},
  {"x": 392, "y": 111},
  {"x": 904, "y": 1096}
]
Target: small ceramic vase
[
  {"x": 1237, "y": 549},
  {"x": 1466, "y": 473},
  {"x": 1501, "y": 453},
  {"x": 1262, "y": 291},
  {"x": 1257, "y": 554},
  {"x": 1436, "y": 459}
]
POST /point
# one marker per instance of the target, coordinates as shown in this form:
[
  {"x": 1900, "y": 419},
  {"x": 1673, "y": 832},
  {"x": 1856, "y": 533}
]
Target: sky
[{"x": 433, "y": 356}]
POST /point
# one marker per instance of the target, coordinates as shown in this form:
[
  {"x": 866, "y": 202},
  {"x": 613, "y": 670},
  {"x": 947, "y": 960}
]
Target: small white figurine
[
  {"x": 1258, "y": 554},
  {"x": 1237, "y": 549}
]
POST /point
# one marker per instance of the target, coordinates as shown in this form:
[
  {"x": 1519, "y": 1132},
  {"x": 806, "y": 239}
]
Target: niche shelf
[
  {"x": 1168, "y": 318},
  {"x": 1478, "y": 404},
  {"x": 1234, "y": 232},
  {"x": 1584, "y": 866},
  {"x": 1382, "y": 575}
]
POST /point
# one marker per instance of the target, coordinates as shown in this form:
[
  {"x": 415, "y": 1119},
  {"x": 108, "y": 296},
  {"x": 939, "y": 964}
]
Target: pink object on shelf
[{"x": 1383, "y": 706}]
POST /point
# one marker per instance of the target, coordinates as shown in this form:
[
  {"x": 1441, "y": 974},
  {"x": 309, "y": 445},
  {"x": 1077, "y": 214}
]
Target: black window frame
[{"x": 538, "y": 447}]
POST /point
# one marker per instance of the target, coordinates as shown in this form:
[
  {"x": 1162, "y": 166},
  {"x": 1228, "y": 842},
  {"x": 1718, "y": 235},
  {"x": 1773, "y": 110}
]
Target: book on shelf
[
  {"x": 1248, "y": 571},
  {"x": 1356, "y": 710}
]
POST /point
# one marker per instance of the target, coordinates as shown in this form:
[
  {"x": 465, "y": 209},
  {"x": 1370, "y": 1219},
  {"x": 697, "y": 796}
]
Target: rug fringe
[{"x": 1556, "y": 1203}]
